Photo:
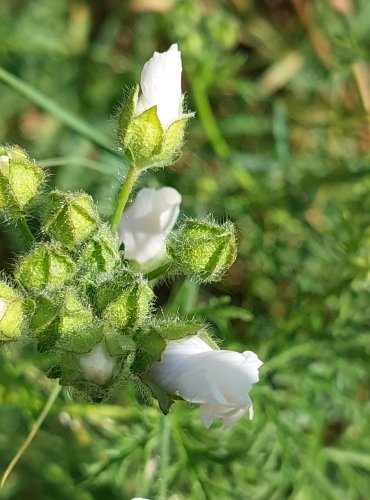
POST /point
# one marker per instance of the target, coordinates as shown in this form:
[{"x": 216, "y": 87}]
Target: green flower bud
[
  {"x": 124, "y": 300},
  {"x": 64, "y": 321},
  {"x": 20, "y": 179},
  {"x": 45, "y": 268},
  {"x": 203, "y": 250},
  {"x": 70, "y": 217},
  {"x": 100, "y": 254},
  {"x": 11, "y": 313}
]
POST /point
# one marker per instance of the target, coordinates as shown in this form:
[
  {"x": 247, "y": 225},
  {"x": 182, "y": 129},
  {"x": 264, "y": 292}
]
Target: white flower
[
  {"x": 97, "y": 366},
  {"x": 161, "y": 86},
  {"x": 145, "y": 225},
  {"x": 219, "y": 381},
  {"x": 3, "y": 306}
]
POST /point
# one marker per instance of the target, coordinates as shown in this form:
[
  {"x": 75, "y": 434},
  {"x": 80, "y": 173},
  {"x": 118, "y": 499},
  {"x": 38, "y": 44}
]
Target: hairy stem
[{"x": 124, "y": 194}]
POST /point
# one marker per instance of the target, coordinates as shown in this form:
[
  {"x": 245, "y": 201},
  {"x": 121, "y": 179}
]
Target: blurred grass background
[{"x": 281, "y": 146}]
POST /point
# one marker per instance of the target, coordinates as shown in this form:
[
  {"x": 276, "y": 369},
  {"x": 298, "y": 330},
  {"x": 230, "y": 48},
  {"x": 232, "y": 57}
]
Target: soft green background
[{"x": 280, "y": 145}]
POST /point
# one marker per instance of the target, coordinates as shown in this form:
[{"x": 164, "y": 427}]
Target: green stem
[
  {"x": 165, "y": 456},
  {"x": 25, "y": 230},
  {"x": 124, "y": 194},
  {"x": 36, "y": 426}
]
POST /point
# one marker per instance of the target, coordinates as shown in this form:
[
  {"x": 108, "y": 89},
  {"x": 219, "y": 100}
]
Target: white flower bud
[
  {"x": 146, "y": 223},
  {"x": 219, "y": 381},
  {"x": 97, "y": 366},
  {"x": 3, "y": 306},
  {"x": 161, "y": 86}
]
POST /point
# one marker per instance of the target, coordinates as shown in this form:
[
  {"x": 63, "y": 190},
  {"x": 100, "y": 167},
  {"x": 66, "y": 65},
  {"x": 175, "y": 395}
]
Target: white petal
[
  {"x": 3, "y": 306},
  {"x": 161, "y": 85},
  {"x": 146, "y": 223},
  {"x": 97, "y": 366}
]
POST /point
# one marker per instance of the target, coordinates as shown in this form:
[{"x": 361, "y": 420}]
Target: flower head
[
  {"x": 97, "y": 366},
  {"x": 145, "y": 225},
  {"x": 218, "y": 380},
  {"x": 161, "y": 86}
]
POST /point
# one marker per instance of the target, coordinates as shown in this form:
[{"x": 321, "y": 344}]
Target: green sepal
[
  {"x": 70, "y": 217},
  {"x": 144, "y": 137},
  {"x": 164, "y": 400},
  {"x": 150, "y": 345},
  {"x": 12, "y": 313},
  {"x": 176, "y": 329},
  {"x": 127, "y": 110},
  {"x": 118, "y": 344},
  {"x": 173, "y": 140},
  {"x": 45, "y": 312},
  {"x": 78, "y": 330},
  {"x": 46, "y": 268}
]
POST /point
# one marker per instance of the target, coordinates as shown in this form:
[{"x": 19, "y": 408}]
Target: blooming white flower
[
  {"x": 146, "y": 223},
  {"x": 3, "y": 306},
  {"x": 97, "y": 366},
  {"x": 219, "y": 381},
  {"x": 161, "y": 86}
]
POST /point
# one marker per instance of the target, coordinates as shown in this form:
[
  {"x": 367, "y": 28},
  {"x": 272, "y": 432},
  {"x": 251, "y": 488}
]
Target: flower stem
[
  {"x": 124, "y": 194},
  {"x": 36, "y": 426},
  {"x": 25, "y": 230}
]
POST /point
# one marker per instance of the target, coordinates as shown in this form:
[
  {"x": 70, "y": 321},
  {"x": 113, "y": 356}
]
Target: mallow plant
[{"x": 83, "y": 291}]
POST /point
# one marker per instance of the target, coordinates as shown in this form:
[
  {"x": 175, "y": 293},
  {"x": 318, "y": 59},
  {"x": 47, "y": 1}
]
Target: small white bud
[
  {"x": 97, "y": 366},
  {"x": 161, "y": 86}
]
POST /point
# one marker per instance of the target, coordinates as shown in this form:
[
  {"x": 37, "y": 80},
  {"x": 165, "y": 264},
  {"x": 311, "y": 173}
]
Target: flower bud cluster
[{"x": 87, "y": 304}]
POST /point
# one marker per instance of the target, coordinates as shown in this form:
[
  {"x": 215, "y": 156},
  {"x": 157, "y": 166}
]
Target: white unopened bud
[
  {"x": 161, "y": 86},
  {"x": 145, "y": 225},
  {"x": 219, "y": 381},
  {"x": 97, "y": 366}
]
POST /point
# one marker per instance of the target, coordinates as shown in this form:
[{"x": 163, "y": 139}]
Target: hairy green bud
[
  {"x": 100, "y": 254},
  {"x": 11, "y": 313},
  {"x": 203, "y": 250},
  {"x": 45, "y": 268},
  {"x": 124, "y": 300},
  {"x": 70, "y": 217},
  {"x": 20, "y": 180}
]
